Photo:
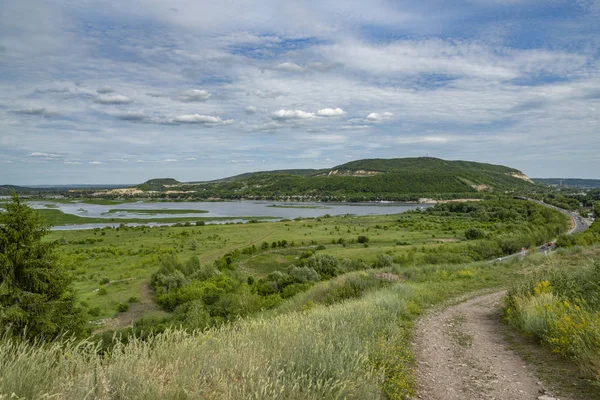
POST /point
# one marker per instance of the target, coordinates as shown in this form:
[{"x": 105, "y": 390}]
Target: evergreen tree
[{"x": 35, "y": 296}]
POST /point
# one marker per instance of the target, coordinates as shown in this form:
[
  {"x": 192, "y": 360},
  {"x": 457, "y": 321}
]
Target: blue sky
[{"x": 121, "y": 92}]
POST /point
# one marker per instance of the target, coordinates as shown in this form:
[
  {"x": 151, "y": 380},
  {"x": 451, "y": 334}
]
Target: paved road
[{"x": 580, "y": 224}]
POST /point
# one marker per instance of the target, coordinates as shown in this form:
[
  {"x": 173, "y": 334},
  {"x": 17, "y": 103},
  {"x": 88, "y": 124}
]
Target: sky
[{"x": 101, "y": 91}]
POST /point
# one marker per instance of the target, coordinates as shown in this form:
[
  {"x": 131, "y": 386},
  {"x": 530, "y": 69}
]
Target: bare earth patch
[
  {"x": 136, "y": 310},
  {"x": 462, "y": 354}
]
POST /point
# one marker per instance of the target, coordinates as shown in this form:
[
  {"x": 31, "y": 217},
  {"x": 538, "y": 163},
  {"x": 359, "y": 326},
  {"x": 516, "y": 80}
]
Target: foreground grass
[
  {"x": 359, "y": 348},
  {"x": 560, "y": 307}
]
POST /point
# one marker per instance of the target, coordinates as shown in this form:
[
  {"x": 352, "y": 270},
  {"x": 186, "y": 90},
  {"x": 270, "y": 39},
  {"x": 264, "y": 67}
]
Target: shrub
[
  {"x": 362, "y": 239},
  {"x": 473, "y": 234},
  {"x": 122, "y": 307}
]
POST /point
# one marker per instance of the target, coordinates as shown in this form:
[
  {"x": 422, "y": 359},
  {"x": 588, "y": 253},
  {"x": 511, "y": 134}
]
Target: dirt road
[{"x": 461, "y": 354}]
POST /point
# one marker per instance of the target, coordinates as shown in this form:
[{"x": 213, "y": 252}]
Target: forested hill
[
  {"x": 364, "y": 180},
  {"x": 569, "y": 182}
]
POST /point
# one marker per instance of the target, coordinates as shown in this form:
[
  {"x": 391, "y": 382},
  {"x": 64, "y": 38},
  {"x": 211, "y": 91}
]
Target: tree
[
  {"x": 597, "y": 209},
  {"x": 473, "y": 234},
  {"x": 35, "y": 296}
]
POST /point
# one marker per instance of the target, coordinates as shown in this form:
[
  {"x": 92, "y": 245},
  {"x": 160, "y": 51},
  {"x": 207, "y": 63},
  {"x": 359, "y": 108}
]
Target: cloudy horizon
[{"x": 122, "y": 92}]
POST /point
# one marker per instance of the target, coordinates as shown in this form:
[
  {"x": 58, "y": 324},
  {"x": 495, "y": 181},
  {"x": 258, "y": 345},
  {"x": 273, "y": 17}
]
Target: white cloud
[
  {"x": 378, "y": 117},
  {"x": 356, "y": 127},
  {"x": 290, "y": 67},
  {"x": 53, "y": 90},
  {"x": 169, "y": 160},
  {"x": 333, "y": 138},
  {"x": 250, "y": 110},
  {"x": 47, "y": 155},
  {"x": 201, "y": 119},
  {"x": 194, "y": 95},
  {"x": 331, "y": 112},
  {"x": 423, "y": 139},
  {"x": 112, "y": 99},
  {"x": 311, "y": 67},
  {"x": 190, "y": 159},
  {"x": 105, "y": 89},
  {"x": 292, "y": 114},
  {"x": 95, "y": 162},
  {"x": 269, "y": 94}
]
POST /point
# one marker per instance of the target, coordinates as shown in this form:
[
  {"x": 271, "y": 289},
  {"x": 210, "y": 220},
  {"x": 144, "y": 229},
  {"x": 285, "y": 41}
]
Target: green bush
[{"x": 122, "y": 307}]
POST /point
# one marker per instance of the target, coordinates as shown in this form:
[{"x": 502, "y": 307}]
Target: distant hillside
[
  {"x": 296, "y": 172},
  {"x": 569, "y": 182},
  {"x": 362, "y": 180},
  {"x": 159, "y": 184},
  {"x": 7, "y": 189}
]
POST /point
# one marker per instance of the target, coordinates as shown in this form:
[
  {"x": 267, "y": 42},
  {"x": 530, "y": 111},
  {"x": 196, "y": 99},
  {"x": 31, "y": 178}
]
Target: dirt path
[
  {"x": 137, "y": 310},
  {"x": 462, "y": 354}
]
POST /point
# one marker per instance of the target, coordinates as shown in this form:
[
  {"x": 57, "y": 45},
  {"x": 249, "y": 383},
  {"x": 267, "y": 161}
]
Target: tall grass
[
  {"x": 342, "y": 351},
  {"x": 358, "y": 348},
  {"x": 561, "y": 308}
]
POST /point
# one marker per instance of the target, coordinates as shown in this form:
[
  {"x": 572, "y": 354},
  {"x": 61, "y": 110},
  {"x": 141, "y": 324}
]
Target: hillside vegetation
[
  {"x": 364, "y": 180},
  {"x": 359, "y": 348}
]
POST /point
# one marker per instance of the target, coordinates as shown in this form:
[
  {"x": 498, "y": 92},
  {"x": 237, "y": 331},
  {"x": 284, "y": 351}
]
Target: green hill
[
  {"x": 569, "y": 182},
  {"x": 366, "y": 180}
]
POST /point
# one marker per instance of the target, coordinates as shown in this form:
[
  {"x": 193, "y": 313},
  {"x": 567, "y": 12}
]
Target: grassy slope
[{"x": 354, "y": 349}]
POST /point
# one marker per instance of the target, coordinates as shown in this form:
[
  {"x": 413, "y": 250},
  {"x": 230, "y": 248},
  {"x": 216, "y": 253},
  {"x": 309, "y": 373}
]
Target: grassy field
[
  {"x": 308, "y": 349},
  {"x": 113, "y": 265}
]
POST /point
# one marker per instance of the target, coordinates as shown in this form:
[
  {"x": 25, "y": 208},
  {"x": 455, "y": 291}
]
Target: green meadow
[
  {"x": 113, "y": 265},
  {"x": 297, "y": 309}
]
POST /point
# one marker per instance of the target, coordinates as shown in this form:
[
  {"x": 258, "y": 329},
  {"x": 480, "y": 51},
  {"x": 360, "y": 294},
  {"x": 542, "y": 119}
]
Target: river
[{"x": 229, "y": 209}]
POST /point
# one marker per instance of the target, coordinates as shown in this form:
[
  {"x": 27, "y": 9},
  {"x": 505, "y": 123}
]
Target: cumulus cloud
[
  {"x": 52, "y": 90},
  {"x": 311, "y": 67},
  {"x": 200, "y": 119},
  {"x": 43, "y": 155},
  {"x": 378, "y": 117},
  {"x": 331, "y": 112},
  {"x": 332, "y": 138},
  {"x": 194, "y": 95},
  {"x": 112, "y": 99},
  {"x": 169, "y": 160},
  {"x": 95, "y": 162},
  {"x": 105, "y": 89},
  {"x": 42, "y": 111},
  {"x": 355, "y": 127},
  {"x": 290, "y": 67},
  {"x": 422, "y": 139},
  {"x": 292, "y": 114},
  {"x": 269, "y": 94},
  {"x": 250, "y": 110}
]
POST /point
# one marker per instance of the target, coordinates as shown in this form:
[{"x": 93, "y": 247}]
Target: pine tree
[{"x": 35, "y": 296}]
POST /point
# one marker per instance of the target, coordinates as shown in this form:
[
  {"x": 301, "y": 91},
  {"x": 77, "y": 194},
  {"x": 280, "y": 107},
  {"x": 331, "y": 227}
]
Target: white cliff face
[
  {"x": 358, "y": 172},
  {"x": 519, "y": 175}
]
